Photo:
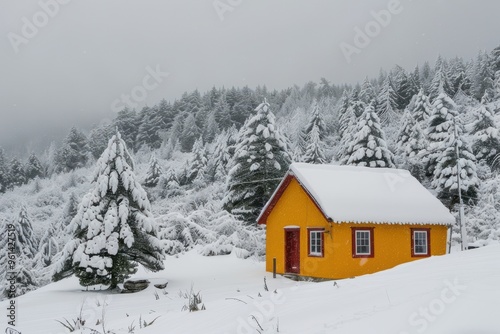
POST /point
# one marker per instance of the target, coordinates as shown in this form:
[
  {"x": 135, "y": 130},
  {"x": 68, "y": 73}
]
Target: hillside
[{"x": 456, "y": 293}]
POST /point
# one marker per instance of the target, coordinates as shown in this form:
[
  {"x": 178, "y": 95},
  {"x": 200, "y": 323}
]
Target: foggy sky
[{"x": 91, "y": 52}]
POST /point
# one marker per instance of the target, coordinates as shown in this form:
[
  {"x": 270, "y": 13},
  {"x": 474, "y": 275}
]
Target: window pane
[
  {"x": 362, "y": 242},
  {"x": 315, "y": 242},
  {"x": 420, "y": 242}
]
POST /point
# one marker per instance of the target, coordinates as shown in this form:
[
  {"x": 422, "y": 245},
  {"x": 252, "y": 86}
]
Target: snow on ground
[{"x": 457, "y": 293}]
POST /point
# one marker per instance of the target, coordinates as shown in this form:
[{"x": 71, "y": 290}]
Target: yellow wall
[{"x": 392, "y": 243}]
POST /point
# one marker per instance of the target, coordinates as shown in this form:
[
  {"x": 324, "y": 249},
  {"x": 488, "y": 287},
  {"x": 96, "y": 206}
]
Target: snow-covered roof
[{"x": 362, "y": 194}]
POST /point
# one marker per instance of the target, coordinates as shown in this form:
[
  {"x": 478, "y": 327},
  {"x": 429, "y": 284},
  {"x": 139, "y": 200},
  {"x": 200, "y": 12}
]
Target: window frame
[
  {"x": 321, "y": 232},
  {"x": 428, "y": 241},
  {"x": 370, "y": 230}
]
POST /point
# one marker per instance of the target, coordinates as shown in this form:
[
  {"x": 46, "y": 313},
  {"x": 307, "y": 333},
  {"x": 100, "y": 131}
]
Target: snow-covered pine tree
[
  {"x": 484, "y": 75},
  {"x": 21, "y": 239},
  {"x": 261, "y": 159},
  {"x": 485, "y": 137},
  {"x": 387, "y": 101},
  {"x": 190, "y": 133},
  {"x": 440, "y": 84},
  {"x": 314, "y": 151},
  {"x": 114, "y": 228},
  {"x": 48, "y": 247},
  {"x": 422, "y": 107},
  {"x": 405, "y": 90},
  {"x": 74, "y": 152},
  {"x": 198, "y": 161},
  {"x": 367, "y": 92},
  {"x": 4, "y": 172},
  {"x": 440, "y": 128},
  {"x": 98, "y": 140},
  {"x": 347, "y": 130},
  {"x": 211, "y": 130},
  {"x": 416, "y": 146},
  {"x": 404, "y": 135},
  {"x": 169, "y": 184},
  {"x": 459, "y": 78},
  {"x": 154, "y": 172},
  {"x": 344, "y": 116},
  {"x": 222, "y": 113},
  {"x": 34, "y": 168},
  {"x": 315, "y": 119},
  {"x": 16, "y": 173},
  {"x": 24, "y": 277},
  {"x": 445, "y": 179},
  {"x": 369, "y": 147},
  {"x": 127, "y": 124},
  {"x": 150, "y": 125},
  {"x": 219, "y": 159},
  {"x": 483, "y": 218},
  {"x": 495, "y": 61}
]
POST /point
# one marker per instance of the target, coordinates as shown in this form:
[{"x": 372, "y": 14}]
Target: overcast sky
[{"x": 89, "y": 53}]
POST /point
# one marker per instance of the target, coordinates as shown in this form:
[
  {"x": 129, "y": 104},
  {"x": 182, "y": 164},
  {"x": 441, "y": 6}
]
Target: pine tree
[
  {"x": 440, "y": 84},
  {"x": 126, "y": 123},
  {"x": 48, "y": 248},
  {"x": 367, "y": 92},
  {"x": 167, "y": 115},
  {"x": 34, "y": 168},
  {"x": 422, "y": 108},
  {"x": 459, "y": 78},
  {"x": 24, "y": 277},
  {"x": 260, "y": 160},
  {"x": 486, "y": 138},
  {"x": 315, "y": 120},
  {"x": 98, "y": 140},
  {"x": 387, "y": 101},
  {"x": 169, "y": 184},
  {"x": 369, "y": 147},
  {"x": 24, "y": 241},
  {"x": 154, "y": 172},
  {"x": 4, "y": 172},
  {"x": 314, "y": 152},
  {"x": 16, "y": 173},
  {"x": 150, "y": 125},
  {"x": 219, "y": 159},
  {"x": 411, "y": 139},
  {"x": 114, "y": 228},
  {"x": 405, "y": 90},
  {"x": 440, "y": 128},
  {"x": 190, "y": 133},
  {"x": 211, "y": 129},
  {"x": 484, "y": 75},
  {"x": 343, "y": 113},
  {"x": 198, "y": 162},
  {"x": 74, "y": 152},
  {"x": 445, "y": 175},
  {"x": 222, "y": 113}
]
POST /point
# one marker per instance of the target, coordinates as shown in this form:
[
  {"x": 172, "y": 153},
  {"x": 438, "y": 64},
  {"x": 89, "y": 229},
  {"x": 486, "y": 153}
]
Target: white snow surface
[
  {"x": 376, "y": 195},
  {"x": 455, "y": 293}
]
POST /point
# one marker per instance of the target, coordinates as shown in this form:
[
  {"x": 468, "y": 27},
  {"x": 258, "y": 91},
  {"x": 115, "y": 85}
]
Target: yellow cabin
[{"x": 335, "y": 222}]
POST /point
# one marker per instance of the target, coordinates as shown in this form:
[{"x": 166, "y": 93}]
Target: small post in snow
[{"x": 274, "y": 267}]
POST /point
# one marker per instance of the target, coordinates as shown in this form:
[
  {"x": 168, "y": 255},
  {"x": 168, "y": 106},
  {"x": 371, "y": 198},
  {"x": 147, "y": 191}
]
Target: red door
[{"x": 292, "y": 251}]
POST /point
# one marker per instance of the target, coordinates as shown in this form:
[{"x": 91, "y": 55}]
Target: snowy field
[{"x": 457, "y": 293}]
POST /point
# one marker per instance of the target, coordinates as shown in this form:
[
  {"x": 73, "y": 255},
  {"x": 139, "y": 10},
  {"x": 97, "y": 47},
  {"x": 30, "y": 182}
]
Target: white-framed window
[
  {"x": 316, "y": 241},
  {"x": 362, "y": 242},
  {"x": 420, "y": 242}
]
